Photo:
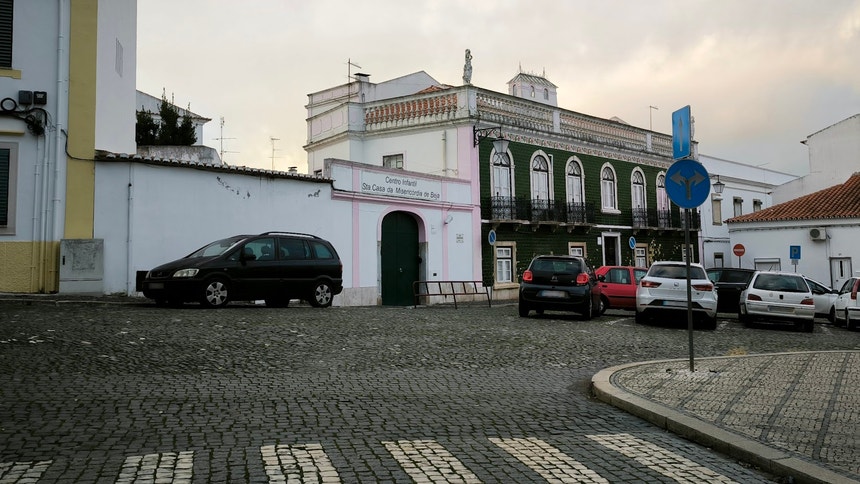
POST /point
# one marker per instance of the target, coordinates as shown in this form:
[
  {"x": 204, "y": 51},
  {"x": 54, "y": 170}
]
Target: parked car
[
  {"x": 846, "y": 308},
  {"x": 273, "y": 266},
  {"x": 729, "y": 282},
  {"x": 663, "y": 290},
  {"x": 824, "y": 298},
  {"x": 778, "y": 297},
  {"x": 559, "y": 283},
  {"x": 618, "y": 286}
]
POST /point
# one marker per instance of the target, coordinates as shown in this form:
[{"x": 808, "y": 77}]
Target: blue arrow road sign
[
  {"x": 682, "y": 133},
  {"x": 687, "y": 183}
]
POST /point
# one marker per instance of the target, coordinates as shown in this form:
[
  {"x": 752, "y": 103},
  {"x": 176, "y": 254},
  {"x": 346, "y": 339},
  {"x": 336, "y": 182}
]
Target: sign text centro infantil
[{"x": 393, "y": 185}]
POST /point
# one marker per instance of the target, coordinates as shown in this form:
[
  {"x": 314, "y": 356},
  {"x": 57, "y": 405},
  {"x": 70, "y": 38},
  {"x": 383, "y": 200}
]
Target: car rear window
[
  {"x": 736, "y": 276},
  {"x": 780, "y": 283},
  {"x": 676, "y": 272},
  {"x": 557, "y": 266}
]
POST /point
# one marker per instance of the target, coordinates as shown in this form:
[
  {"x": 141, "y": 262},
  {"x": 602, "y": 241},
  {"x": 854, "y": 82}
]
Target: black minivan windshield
[{"x": 216, "y": 248}]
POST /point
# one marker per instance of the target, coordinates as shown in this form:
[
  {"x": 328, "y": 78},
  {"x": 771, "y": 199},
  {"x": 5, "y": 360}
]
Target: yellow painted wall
[
  {"x": 80, "y": 173},
  {"x": 28, "y": 267}
]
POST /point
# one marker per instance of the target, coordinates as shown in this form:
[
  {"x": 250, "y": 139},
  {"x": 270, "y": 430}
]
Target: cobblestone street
[{"x": 134, "y": 393}]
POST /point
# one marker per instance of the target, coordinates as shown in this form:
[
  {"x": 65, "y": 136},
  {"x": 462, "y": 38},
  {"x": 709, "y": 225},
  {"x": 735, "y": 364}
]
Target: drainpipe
[
  {"x": 62, "y": 100},
  {"x": 130, "y": 276}
]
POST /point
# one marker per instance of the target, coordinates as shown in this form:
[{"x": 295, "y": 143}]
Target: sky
[{"x": 760, "y": 76}]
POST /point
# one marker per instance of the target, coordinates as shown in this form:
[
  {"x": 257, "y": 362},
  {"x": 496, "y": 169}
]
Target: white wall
[
  {"x": 115, "y": 110},
  {"x": 150, "y": 214},
  {"x": 773, "y": 240}
]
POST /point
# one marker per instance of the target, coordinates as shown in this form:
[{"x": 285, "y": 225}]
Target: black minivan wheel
[
  {"x": 321, "y": 296},
  {"x": 215, "y": 293}
]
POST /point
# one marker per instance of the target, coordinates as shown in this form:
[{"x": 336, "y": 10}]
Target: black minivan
[{"x": 272, "y": 266}]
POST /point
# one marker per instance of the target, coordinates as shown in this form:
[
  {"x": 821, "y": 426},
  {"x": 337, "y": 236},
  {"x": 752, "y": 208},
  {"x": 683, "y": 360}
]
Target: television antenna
[
  {"x": 349, "y": 66},
  {"x": 221, "y": 139},
  {"x": 273, "y": 139}
]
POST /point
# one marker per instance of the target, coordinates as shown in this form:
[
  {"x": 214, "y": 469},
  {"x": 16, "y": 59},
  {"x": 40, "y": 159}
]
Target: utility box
[{"x": 82, "y": 266}]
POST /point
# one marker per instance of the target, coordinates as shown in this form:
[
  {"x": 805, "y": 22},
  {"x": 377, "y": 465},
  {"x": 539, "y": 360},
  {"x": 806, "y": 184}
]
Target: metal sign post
[{"x": 689, "y": 188}]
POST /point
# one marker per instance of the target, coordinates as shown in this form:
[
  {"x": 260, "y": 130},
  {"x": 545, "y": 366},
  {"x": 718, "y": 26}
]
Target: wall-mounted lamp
[
  {"x": 719, "y": 186},
  {"x": 448, "y": 219},
  {"x": 500, "y": 144}
]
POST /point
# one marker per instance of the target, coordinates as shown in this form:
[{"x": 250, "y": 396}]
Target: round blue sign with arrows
[{"x": 687, "y": 183}]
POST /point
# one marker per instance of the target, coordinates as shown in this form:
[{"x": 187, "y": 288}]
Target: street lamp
[
  {"x": 500, "y": 144},
  {"x": 719, "y": 186}
]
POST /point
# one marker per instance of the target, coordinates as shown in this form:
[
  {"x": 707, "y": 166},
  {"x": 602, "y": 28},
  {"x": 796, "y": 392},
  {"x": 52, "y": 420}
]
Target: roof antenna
[{"x": 349, "y": 66}]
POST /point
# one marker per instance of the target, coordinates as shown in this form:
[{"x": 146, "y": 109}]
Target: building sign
[{"x": 402, "y": 186}]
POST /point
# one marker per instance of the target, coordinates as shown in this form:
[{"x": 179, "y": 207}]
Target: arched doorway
[{"x": 399, "y": 258}]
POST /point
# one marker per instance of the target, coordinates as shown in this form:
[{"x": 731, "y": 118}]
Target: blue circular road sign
[
  {"x": 491, "y": 237},
  {"x": 687, "y": 183}
]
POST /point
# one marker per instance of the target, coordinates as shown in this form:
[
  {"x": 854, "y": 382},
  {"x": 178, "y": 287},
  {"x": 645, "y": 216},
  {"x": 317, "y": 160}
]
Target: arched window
[
  {"x": 609, "y": 200},
  {"x": 533, "y": 91},
  {"x": 546, "y": 94},
  {"x": 540, "y": 178},
  {"x": 502, "y": 180},
  {"x": 638, "y": 194},
  {"x": 663, "y": 211},
  {"x": 573, "y": 182}
]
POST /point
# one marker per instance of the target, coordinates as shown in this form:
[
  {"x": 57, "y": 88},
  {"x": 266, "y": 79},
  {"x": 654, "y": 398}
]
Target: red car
[{"x": 618, "y": 286}]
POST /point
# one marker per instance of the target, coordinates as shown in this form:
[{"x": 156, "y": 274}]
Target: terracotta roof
[{"x": 838, "y": 201}]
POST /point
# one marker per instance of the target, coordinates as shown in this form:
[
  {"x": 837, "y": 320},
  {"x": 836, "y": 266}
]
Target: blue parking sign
[{"x": 794, "y": 252}]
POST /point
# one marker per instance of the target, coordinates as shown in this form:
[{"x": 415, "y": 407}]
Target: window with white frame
[
  {"x": 573, "y": 181},
  {"x": 718, "y": 259},
  {"x": 608, "y": 196},
  {"x": 663, "y": 208},
  {"x": 739, "y": 206},
  {"x": 501, "y": 174},
  {"x": 638, "y": 192},
  {"x": 504, "y": 263},
  {"x": 756, "y": 205},
  {"x": 641, "y": 255},
  {"x": 540, "y": 180},
  {"x": 576, "y": 249},
  {"x": 716, "y": 211},
  {"x": 393, "y": 161}
]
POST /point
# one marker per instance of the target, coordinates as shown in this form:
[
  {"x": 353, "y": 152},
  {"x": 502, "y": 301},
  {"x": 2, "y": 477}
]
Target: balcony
[
  {"x": 536, "y": 211},
  {"x": 510, "y": 209}
]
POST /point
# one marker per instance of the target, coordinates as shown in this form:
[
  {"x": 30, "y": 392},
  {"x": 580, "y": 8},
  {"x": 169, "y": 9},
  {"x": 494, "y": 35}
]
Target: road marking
[
  {"x": 13, "y": 472},
  {"x": 659, "y": 459},
  {"x": 552, "y": 464},
  {"x": 298, "y": 463},
  {"x": 163, "y": 467},
  {"x": 428, "y": 461}
]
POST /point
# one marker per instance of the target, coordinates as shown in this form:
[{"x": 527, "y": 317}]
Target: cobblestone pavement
[{"x": 118, "y": 392}]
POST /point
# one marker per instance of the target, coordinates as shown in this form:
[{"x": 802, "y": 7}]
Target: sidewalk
[{"x": 790, "y": 414}]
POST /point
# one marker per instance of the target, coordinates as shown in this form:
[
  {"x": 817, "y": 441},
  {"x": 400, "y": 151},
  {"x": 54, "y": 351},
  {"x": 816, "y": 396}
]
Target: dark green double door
[{"x": 399, "y": 258}]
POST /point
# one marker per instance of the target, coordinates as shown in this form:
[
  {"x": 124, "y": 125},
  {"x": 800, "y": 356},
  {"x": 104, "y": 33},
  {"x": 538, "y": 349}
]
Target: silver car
[
  {"x": 778, "y": 297},
  {"x": 663, "y": 291}
]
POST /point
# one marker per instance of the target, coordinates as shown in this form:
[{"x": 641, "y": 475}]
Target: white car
[
  {"x": 824, "y": 298},
  {"x": 779, "y": 297},
  {"x": 846, "y": 308},
  {"x": 663, "y": 291}
]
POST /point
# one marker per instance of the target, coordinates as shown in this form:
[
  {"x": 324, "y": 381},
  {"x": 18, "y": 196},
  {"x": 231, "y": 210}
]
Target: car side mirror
[{"x": 601, "y": 278}]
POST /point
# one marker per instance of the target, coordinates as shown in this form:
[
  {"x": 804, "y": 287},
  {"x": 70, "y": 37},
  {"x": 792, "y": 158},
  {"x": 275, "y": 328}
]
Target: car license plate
[
  {"x": 675, "y": 304},
  {"x": 780, "y": 309},
  {"x": 155, "y": 285},
  {"x": 553, "y": 294}
]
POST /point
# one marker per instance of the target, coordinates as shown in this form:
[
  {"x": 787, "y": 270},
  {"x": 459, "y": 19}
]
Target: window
[
  {"x": 501, "y": 174},
  {"x": 504, "y": 263},
  {"x": 663, "y": 209},
  {"x": 638, "y": 182},
  {"x": 716, "y": 211},
  {"x": 574, "y": 181},
  {"x": 641, "y": 255},
  {"x": 576, "y": 249},
  {"x": 718, "y": 259},
  {"x": 756, "y": 205},
  {"x": 607, "y": 189},
  {"x": 393, "y": 161},
  {"x": 739, "y": 206},
  {"x": 533, "y": 91},
  {"x": 8, "y": 183},
  {"x": 6, "y": 9},
  {"x": 540, "y": 179},
  {"x": 546, "y": 94}
]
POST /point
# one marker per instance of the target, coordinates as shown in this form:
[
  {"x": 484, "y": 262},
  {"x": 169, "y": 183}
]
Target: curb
[{"x": 771, "y": 460}]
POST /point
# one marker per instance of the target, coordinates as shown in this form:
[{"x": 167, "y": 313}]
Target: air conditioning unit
[{"x": 817, "y": 233}]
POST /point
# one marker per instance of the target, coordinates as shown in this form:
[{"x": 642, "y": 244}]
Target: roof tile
[{"x": 838, "y": 201}]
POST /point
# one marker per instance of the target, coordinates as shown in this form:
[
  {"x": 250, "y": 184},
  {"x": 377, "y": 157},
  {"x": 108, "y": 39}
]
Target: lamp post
[{"x": 500, "y": 147}]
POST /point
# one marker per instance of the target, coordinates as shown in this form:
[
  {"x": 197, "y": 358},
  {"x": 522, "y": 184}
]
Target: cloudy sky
[{"x": 760, "y": 76}]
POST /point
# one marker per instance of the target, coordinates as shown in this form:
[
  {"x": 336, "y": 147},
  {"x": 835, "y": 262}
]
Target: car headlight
[{"x": 185, "y": 273}]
